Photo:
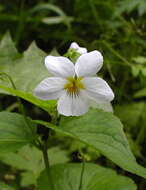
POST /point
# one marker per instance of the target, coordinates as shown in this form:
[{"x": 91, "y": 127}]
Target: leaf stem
[
  {"x": 21, "y": 107},
  {"x": 47, "y": 165},
  {"x": 82, "y": 173}
]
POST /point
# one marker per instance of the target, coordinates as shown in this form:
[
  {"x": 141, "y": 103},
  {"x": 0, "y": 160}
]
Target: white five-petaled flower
[
  {"x": 78, "y": 49},
  {"x": 74, "y": 85}
]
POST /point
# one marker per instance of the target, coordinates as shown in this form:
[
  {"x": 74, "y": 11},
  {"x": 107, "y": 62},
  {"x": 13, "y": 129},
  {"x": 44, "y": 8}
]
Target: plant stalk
[
  {"x": 82, "y": 173},
  {"x": 47, "y": 165}
]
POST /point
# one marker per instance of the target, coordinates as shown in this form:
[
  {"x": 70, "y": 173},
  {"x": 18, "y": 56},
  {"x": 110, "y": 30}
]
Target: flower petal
[
  {"x": 72, "y": 105},
  {"x": 59, "y": 66},
  {"x": 98, "y": 89},
  {"x": 89, "y": 64},
  {"x": 50, "y": 88},
  {"x": 79, "y": 49}
]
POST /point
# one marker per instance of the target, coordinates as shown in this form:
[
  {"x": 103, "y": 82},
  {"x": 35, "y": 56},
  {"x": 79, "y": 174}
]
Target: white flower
[
  {"x": 79, "y": 49},
  {"x": 75, "y": 86}
]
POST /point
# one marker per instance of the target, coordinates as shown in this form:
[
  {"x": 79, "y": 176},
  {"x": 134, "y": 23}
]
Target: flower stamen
[{"x": 74, "y": 85}]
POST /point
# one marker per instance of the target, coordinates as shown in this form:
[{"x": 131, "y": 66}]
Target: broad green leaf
[
  {"x": 104, "y": 132},
  {"x": 46, "y": 105},
  {"x": 67, "y": 177},
  {"x": 25, "y": 71},
  {"x": 4, "y": 186},
  {"x": 30, "y": 159},
  {"x": 15, "y": 131}
]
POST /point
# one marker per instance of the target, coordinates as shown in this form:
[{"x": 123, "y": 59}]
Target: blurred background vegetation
[{"x": 117, "y": 28}]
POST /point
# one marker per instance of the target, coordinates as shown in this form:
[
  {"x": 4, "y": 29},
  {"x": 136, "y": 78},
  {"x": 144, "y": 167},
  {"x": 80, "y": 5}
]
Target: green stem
[
  {"x": 12, "y": 107},
  {"x": 47, "y": 165},
  {"x": 82, "y": 173},
  {"x": 21, "y": 107}
]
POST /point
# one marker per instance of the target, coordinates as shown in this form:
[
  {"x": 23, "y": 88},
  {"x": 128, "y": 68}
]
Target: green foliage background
[{"x": 117, "y": 28}]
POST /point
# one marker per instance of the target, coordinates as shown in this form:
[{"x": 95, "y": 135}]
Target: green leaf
[
  {"x": 4, "y": 186},
  {"x": 7, "y": 49},
  {"x": 104, "y": 132},
  {"x": 25, "y": 71},
  {"x": 46, "y": 105},
  {"x": 67, "y": 177},
  {"x": 15, "y": 132},
  {"x": 30, "y": 159}
]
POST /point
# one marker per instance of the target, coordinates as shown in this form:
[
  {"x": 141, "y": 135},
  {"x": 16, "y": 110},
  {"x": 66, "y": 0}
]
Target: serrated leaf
[
  {"x": 104, "y": 132},
  {"x": 25, "y": 71},
  {"x": 15, "y": 132},
  {"x": 7, "y": 48},
  {"x": 67, "y": 177}
]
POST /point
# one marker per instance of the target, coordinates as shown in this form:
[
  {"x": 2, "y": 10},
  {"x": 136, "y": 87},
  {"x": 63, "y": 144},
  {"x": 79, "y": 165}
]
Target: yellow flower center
[{"x": 73, "y": 85}]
